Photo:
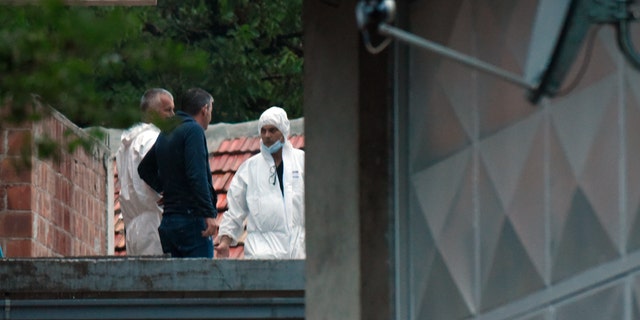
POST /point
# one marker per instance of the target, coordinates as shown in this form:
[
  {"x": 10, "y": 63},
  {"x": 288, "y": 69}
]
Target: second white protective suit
[
  {"x": 138, "y": 201},
  {"x": 275, "y": 218}
]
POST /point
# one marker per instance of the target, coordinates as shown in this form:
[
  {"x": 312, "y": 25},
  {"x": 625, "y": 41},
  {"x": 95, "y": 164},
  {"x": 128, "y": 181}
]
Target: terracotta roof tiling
[
  {"x": 231, "y": 153},
  {"x": 237, "y": 143},
  {"x": 249, "y": 145},
  {"x": 224, "y": 146},
  {"x": 219, "y": 180},
  {"x": 222, "y": 202},
  {"x": 297, "y": 141},
  {"x": 236, "y": 252},
  {"x": 240, "y": 159},
  {"x": 120, "y": 244},
  {"x": 229, "y": 176},
  {"x": 255, "y": 146},
  {"x": 218, "y": 163},
  {"x": 231, "y": 162}
]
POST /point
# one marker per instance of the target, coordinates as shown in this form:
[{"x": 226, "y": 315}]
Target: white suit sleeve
[
  {"x": 144, "y": 143},
  {"x": 233, "y": 219}
]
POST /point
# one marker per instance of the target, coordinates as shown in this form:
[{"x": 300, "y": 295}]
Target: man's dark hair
[{"x": 194, "y": 99}]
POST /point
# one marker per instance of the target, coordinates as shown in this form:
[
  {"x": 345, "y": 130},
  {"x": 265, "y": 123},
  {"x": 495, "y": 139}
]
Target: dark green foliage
[
  {"x": 93, "y": 63},
  {"x": 254, "y": 47}
]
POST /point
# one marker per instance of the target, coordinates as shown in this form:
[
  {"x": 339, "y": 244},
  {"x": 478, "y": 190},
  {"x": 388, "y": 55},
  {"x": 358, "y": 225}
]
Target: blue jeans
[{"x": 180, "y": 235}]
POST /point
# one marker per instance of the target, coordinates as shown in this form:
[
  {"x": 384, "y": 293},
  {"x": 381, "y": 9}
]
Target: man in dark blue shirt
[{"x": 178, "y": 168}]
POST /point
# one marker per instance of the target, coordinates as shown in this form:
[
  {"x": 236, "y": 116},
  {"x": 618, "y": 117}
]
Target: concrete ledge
[
  {"x": 135, "y": 276},
  {"x": 177, "y": 308}
]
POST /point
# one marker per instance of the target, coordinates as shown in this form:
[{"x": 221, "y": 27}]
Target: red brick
[
  {"x": 42, "y": 251},
  {"x": 44, "y": 205},
  {"x": 14, "y": 224},
  {"x": 13, "y": 171},
  {"x": 70, "y": 222},
  {"x": 19, "y": 248},
  {"x": 57, "y": 212},
  {"x": 43, "y": 226},
  {"x": 12, "y": 125},
  {"x": 3, "y": 198},
  {"x": 66, "y": 219},
  {"x": 63, "y": 243},
  {"x": 63, "y": 190},
  {"x": 67, "y": 168},
  {"x": 66, "y": 192},
  {"x": 19, "y": 142},
  {"x": 19, "y": 197},
  {"x": 51, "y": 181},
  {"x": 3, "y": 134}
]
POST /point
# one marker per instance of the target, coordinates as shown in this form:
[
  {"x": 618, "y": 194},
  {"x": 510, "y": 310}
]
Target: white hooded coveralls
[
  {"x": 275, "y": 223},
  {"x": 138, "y": 201}
]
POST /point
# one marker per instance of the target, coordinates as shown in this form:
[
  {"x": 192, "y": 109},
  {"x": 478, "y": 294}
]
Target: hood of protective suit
[{"x": 276, "y": 117}]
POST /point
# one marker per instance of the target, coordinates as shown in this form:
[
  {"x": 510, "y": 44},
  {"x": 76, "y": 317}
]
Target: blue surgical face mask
[{"x": 273, "y": 148}]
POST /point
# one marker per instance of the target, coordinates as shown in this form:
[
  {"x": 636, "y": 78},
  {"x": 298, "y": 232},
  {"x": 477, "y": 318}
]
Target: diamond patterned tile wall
[{"x": 518, "y": 211}]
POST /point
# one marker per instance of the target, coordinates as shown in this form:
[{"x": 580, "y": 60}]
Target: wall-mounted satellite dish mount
[{"x": 558, "y": 32}]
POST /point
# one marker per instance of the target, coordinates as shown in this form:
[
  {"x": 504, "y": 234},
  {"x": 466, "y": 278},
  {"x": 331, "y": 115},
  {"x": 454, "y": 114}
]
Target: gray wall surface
[
  {"x": 516, "y": 211},
  {"x": 348, "y": 171}
]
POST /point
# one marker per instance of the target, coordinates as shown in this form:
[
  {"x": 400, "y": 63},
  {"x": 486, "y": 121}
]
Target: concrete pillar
[{"x": 348, "y": 126}]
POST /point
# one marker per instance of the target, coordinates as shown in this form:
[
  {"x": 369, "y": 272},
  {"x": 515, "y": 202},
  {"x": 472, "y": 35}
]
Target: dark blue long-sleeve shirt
[{"x": 178, "y": 167}]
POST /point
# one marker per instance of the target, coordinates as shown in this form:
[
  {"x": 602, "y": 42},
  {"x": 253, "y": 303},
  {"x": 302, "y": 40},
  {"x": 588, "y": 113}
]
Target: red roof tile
[
  {"x": 224, "y": 146},
  {"x": 236, "y": 252},
  {"x": 219, "y": 163},
  {"x": 231, "y": 162},
  {"x": 218, "y": 182},
  {"x": 236, "y": 144},
  {"x": 229, "y": 176},
  {"x": 297, "y": 141},
  {"x": 240, "y": 159},
  {"x": 221, "y": 182},
  {"x": 222, "y": 202},
  {"x": 255, "y": 144},
  {"x": 293, "y": 140},
  {"x": 220, "y": 214},
  {"x": 248, "y": 145}
]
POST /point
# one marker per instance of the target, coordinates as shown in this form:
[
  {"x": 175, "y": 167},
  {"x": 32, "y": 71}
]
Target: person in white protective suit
[
  {"x": 268, "y": 191},
  {"x": 139, "y": 202}
]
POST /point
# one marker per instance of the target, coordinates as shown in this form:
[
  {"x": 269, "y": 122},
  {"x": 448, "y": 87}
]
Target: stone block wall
[{"x": 55, "y": 207}]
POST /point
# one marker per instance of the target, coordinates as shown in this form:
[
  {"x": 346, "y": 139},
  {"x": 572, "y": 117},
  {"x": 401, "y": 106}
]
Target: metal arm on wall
[
  {"x": 624, "y": 38},
  {"x": 373, "y": 17},
  {"x": 409, "y": 38},
  {"x": 620, "y": 14},
  {"x": 624, "y": 41}
]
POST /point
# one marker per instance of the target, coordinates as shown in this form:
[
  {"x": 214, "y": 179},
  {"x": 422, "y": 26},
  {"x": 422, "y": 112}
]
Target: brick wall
[{"x": 54, "y": 207}]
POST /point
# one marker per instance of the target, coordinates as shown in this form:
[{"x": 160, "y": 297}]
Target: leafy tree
[
  {"x": 92, "y": 64},
  {"x": 255, "y": 51},
  {"x": 60, "y": 56}
]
